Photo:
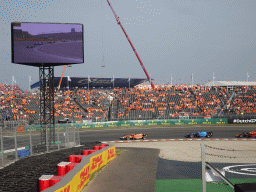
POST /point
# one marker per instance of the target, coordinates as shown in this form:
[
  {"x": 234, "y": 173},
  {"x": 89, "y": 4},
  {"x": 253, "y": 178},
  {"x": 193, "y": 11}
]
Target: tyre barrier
[
  {"x": 62, "y": 168},
  {"x": 74, "y": 175}
]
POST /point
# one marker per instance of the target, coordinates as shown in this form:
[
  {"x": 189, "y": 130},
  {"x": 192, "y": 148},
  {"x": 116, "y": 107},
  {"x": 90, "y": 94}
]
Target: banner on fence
[
  {"x": 142, "y": 123},
  {"x": 241, "y": 121}
]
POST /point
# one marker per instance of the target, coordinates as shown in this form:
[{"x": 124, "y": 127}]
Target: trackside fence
[
  {"x": 15, "y": 144},
  {"x": 225, "y": 163}
]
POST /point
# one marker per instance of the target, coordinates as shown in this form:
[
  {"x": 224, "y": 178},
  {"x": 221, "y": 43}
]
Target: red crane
[
  {"x": 63, "y": 74},
  {"x": 119, "y": 23}
]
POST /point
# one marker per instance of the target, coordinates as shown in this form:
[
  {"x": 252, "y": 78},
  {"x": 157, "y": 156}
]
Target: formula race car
[
  {"x": 30, "y": 46},
  {"x": 199, "y": 134},
  {"x": 134, "y": 136},
  {"x": 249, "y": 134},
  {"x": 38, "y": 43}
]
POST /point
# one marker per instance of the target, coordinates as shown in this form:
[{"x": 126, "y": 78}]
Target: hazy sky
[{"x": 177, "y": 37}]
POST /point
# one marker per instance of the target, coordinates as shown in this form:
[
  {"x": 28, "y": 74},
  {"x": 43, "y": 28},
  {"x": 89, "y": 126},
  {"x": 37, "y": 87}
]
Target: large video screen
[{"x": 47, "y": 44}]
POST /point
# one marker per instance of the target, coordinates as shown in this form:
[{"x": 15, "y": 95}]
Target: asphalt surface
[
  {"x": 168, "y": 169},
  {"x": 115, "y": 134},
  {"x": 133, "y": 171},
  {"x": 164, "y": 133},
  {"x": 48, "y": 53}
]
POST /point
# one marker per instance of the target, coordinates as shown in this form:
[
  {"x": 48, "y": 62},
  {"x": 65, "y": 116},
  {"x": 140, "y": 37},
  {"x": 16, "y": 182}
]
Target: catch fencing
[
  {"x": 228, "y": 163},
  {"x": 16, "y": 144}
]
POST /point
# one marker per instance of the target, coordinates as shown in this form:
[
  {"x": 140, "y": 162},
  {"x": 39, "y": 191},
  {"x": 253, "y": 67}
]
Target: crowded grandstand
[{"x": 137, "y": 103}]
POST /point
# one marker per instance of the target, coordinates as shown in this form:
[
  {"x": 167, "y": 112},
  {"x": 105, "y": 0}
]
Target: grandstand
[{"x": 164, "y": 102}]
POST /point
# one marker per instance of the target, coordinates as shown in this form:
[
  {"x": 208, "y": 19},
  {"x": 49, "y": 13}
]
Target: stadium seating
[{"x": 134, "y": 104}]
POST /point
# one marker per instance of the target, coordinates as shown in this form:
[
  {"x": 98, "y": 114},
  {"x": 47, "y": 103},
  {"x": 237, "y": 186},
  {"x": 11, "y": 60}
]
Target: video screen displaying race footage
[{"x": 47, "y": 43}]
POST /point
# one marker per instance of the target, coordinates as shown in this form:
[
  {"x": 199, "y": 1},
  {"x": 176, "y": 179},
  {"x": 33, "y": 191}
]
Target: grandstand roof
[
  {"x": 231, "y": 83},
  {"x": 81, "y": 82}
]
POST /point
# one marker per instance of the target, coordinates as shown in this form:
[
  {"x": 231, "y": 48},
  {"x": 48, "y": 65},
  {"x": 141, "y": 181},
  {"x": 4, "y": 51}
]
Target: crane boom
[
  {"x": 119, "y": 23},
  {"x": 62, "y": 75}
]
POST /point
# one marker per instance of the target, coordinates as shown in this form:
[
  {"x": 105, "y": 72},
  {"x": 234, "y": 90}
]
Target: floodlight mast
[{"x": 119, "y": 23}]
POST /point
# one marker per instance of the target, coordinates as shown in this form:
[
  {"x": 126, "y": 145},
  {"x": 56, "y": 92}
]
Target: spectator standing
[{"x": 8, "y": 117}]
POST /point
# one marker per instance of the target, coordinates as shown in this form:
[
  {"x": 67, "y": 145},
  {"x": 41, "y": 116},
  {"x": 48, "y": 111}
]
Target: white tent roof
[{"x": 231, "y": 83}]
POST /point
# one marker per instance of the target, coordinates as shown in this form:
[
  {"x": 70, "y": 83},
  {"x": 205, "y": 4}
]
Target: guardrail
[
  {"x": 136, "y": 123},
  {"x": 78, "y": 177}
]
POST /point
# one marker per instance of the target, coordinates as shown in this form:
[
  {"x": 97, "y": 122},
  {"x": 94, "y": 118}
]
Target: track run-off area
[{"x": 177, "y": 167}]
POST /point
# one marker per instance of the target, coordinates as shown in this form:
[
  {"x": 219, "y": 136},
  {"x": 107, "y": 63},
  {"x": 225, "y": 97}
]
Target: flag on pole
[
  {"x": 89, "y": 80},
  {"x": 129, "y": 79},
  {"x": 112, "y": 79},
  {"x": 30, "y": 78},
  {"x": 13, "y": 80},
  {"x": 69, "y": 78}
]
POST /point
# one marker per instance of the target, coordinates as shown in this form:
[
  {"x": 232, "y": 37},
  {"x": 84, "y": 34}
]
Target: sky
[
  {"x": 48, "y": 28},
  {"x": 174, "y": 39}
]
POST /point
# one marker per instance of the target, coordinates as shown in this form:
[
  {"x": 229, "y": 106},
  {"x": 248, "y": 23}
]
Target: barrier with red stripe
[{"x": 73, "y": 175}]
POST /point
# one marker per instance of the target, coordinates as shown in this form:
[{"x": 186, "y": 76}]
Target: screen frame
[{"x": 44, "y": 64}]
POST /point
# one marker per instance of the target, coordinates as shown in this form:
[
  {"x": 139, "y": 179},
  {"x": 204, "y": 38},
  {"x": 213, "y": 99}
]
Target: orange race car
[{"x": 134, "y": 136}]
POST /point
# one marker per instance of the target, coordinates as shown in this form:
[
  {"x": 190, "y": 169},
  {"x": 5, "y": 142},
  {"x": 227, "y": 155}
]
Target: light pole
[
  {"x": 171, "y": 79},
  {"x": 88, "y": 82},
  {"x": 113, "y": 81},
  {"x": 129, "y": 82}
]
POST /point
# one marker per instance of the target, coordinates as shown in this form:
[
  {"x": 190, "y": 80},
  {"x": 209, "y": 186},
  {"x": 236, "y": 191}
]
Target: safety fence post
[
  {"x": 2, "y": 146},
  {"x": 203, "y": 167},
  {"x": 30, "y": 140},
  {"x": 74, "y": 132},
  {"x": 65, "y": 135},
  {"x": 78, "y": 137},
  {"x": 68, "y": 136},
  {"x": 15, "y": 143},
  {"x": 47, "y": 145},
  {"x": 58, "y": 137}
]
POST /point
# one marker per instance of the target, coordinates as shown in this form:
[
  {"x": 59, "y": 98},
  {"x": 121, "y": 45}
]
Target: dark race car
[
  {"x": 249, "y": 134},
  {"x": 199, "y": 134},
  {"x": 30, "y": 46},
  {"x": 134, "y": 136},
  {"x": 242, "y": 134}
]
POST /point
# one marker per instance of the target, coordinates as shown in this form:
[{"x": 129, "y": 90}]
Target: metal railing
[{"x": 15, "y": 145}]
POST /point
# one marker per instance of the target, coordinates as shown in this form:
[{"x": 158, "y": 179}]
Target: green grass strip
[{"x": 195, "y": 185}]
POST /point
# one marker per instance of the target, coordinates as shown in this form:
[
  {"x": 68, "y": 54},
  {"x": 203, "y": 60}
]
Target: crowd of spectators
[{"x": 164, "y": 102}]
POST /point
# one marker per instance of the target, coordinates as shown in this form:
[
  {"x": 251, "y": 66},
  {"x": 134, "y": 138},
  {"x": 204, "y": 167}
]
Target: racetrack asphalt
[
  {"x": 133, "y": 171},
  {"x": 153, "y": 133}
]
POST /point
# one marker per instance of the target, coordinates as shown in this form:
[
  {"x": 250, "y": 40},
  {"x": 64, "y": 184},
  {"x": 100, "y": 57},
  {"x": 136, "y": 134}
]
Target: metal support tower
[{"x": 47, "y": 111}]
